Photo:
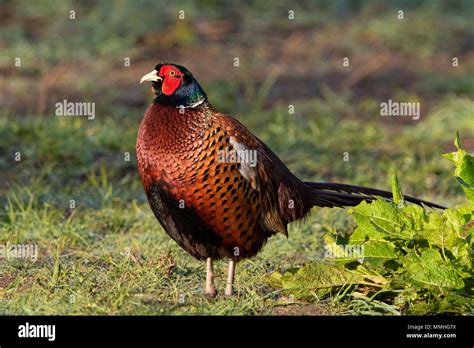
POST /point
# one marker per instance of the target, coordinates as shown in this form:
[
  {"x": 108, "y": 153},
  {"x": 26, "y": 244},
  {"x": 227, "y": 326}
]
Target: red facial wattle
[{"x": 171, "y": 79}]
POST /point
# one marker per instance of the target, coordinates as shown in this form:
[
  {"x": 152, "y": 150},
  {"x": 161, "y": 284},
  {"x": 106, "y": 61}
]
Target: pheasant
[{"x": 215, "y": 188}]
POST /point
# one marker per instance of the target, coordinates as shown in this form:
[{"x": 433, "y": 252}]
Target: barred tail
[{"x": 325, "y": 194}]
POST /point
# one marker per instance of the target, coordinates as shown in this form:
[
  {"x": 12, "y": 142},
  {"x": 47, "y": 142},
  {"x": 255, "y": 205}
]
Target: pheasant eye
[{"x": 172, "y": 73}]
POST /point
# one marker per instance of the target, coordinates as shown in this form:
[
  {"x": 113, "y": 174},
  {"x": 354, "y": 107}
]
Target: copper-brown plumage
[{"x": 211, "y": 206}]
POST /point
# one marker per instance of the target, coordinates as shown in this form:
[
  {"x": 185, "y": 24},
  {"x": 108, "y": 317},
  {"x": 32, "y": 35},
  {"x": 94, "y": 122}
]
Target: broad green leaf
[
  {"x": 379, "y": 250},
  {"x": 378, "y": 220},
  {"x": 430, "y": 270},
  {"x": 373, "y": 251},
  {"x": 464, "y": 171},
  {"x": 463, "y": 254},
  {"x": 316, "y": 278},
  {"x": 439, "y": 231},
  {"x": 455, "y": 218},
  {"x": 371, "y": 275},
  {"x": 335, "y": 252},
  {"x": 414, "y": 217},
  {"x": 275, "y": 280}
]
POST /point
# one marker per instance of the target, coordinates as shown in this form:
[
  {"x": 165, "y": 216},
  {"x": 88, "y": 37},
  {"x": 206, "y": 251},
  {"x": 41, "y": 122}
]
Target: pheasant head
[{"x": 174, "y": 85}]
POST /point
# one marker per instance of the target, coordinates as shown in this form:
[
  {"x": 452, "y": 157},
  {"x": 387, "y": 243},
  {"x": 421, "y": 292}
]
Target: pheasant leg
[
  {"x": 210, "y": 287},
  {"x": 230, "y": 278}
]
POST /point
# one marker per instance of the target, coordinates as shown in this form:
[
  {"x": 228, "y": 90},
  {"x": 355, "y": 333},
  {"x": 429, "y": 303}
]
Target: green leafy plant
[{"x": 419, "y": 260}]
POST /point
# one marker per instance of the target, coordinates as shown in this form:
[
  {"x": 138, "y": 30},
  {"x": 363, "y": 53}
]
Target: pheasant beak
[{"x": 151, "y": 76}]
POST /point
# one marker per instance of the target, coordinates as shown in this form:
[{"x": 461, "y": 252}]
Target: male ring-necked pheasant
[{"x": 216, "y": 206}]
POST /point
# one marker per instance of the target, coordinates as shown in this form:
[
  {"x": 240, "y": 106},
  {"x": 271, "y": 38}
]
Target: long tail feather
[{"x": 326, "y": 194}]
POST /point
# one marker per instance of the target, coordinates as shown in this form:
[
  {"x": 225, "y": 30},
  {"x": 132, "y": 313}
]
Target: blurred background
[{"x": 283, "y": 63}]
